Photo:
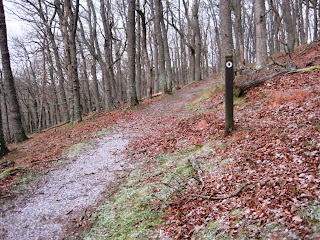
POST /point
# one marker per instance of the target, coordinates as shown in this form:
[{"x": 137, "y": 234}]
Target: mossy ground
[
  {"x": 77, "y": 148},
  {"x": 135, "y": 211}
]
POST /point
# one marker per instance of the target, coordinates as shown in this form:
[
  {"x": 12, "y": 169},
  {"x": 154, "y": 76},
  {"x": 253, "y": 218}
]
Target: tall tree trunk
[
  {"x": 94, "y": 49},
  {"x": 57, "y": 114},
  {"x": 14, "y": 109},
  {"x": 239, "y": 32},
  {"x": 315, "y": 20},
  {"x": 161, "y": 55},
  {"x": 169, "y": 77},
  {"x": 261, "y": 33},
  {"x": 197, "y": 34},
  {"x": 287, "y": 16},
  {"x": 145, "y": 57},
  {"x": 183, "y": 52},
  {"x": 43, "y": 85},
  {"x": 138, "y": 60},
  {"x": 131, "y": 50},
  {"x": 3, "y": 147},
  {"x": 85, "y": 79},
  {"x": 155, "y": 62},
  {"x": 74, "y": 16},
  {"x": 227, "y": 39},
  {"x": 5, "y": 114},
  {"x": 48, "y": 25},
  {"x": 295, "y": 21},
  {"x": 226, "y": 32},
  {"x": 108, "y": 81},
  {"x": 301, "y": 21},
  {"x": 307, "y": 22}
]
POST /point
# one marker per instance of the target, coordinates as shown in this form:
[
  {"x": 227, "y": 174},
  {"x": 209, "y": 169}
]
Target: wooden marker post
[{"x": 229, "y": 74}]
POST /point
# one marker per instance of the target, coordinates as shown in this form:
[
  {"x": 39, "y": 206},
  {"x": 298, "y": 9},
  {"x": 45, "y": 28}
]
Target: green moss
[
  {"x": 136, "y": 210},
  {"x": 77, "y": 148},
  {"x": 311, "y": 213},
  {"x": 309, "y": 69},
  {"x": 238, "y": 100},
  {"x": 224, "y": 162},
  {"x": 10, "y": 171},
  {"x": 236, "y": 212},
  {"x": 130, "y": 214},
  {"x": 209, "y": 232},
  {"x": 104, "y": 131},
  {"x": 204, "y": 96},
  {"x": 28, "y": 177}
]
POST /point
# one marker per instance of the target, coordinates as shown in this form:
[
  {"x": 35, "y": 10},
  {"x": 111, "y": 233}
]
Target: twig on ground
[
  {"x": 223, "y": 197},
  {"x": 43, "y": 161},
  {"x": 138, "y": 152}
]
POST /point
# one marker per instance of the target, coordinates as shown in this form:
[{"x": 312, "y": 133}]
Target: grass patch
[
  {"x": 209, "y": 232},
  {"x": 204, "y": 96},
  {"x": 10, "y": 171},
  {"x": 77, "y": 148},
  {"x": 135, "y": 211},
  {"x": 238, "y": 100},
  {"x": 104, "y": 131},
  {"x": 311, "y": 213}
]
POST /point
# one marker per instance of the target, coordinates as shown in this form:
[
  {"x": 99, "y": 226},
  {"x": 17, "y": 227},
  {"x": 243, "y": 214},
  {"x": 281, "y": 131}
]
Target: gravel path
[{"x": 52, "y": 205}]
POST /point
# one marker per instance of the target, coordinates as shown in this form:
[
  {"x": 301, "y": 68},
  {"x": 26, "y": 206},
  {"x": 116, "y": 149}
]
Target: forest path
[{"x": 52, "y": 206}]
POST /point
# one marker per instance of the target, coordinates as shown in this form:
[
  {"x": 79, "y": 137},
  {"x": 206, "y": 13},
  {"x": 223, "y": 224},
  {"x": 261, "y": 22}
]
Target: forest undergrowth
[{"x": 260, "y": 182}]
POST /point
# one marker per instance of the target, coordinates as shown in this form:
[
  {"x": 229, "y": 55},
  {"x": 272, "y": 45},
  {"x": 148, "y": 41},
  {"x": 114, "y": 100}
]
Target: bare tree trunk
[
  {"x": 239, "y": 32},
  {"x": 43, "y": 85},
  {"x": 301, "y": 21},
  {"x": 94, "y": 51},
  {"x": 109, "y": 101},
  {"x": 315, "y": 20},
  {"x": 287, "y": 16},
  {"x": 14, "y": 109},
  {"x": 3, "y": 147},
  {"x": 197, "y": 34},
  {"x": 48, "y": 24},
  {"x": 226, "y": 32},
  {"x": 5, "y": 113},
  {"x": 169, "y": 77},
  {"x": 145, "y": 57},
  {"x": 227, "y": 39},
  {"x": 307, "y": 22},
  {"x": 57, "y": 113},
  {"x": 131, "y": 50},
  {"x": 85, "y": 79},
  {"x": 295, "y": 21},
  {"x": 261, "y": 34},
  {"x": 138, "y": 60},
  {"x": 183, "y": 53},
  {"x": 74, "y": 16},
  {"x": 161, "y": 56},
  {"x": 155, "y": 63}
]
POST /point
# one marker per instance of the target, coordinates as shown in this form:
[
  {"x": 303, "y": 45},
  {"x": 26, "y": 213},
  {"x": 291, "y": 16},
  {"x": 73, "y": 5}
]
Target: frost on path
[{"x": 46, "y": 208}]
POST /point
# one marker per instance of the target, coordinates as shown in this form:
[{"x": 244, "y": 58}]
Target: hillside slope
[
  {"x": 174, "y": 175},
  {"x": 262, "y": 181}
]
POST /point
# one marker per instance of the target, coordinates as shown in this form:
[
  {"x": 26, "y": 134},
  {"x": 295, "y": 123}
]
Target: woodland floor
[{"x": 163, "y": 170}]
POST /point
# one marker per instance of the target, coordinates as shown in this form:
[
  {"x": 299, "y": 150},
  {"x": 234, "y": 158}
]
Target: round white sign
[{"x": 229, "y": 64}]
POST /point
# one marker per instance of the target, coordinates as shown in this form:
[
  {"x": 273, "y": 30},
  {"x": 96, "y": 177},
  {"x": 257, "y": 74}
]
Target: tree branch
[{"x": 236, "y": 193}]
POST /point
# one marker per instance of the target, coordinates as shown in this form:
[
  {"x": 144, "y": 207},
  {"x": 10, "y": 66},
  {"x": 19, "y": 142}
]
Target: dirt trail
[{"x": 54, "y": 203}]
